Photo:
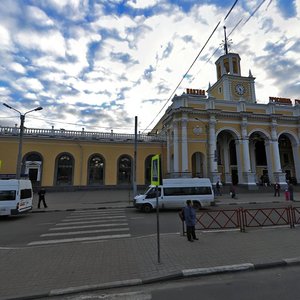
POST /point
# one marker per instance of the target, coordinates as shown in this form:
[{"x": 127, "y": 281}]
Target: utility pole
[
  {"x": 22, "y": 120},
  {"x": 135, "y": 157}
]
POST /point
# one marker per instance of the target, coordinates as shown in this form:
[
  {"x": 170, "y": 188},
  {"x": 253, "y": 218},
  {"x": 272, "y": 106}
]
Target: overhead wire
[{"x": 186, "y": 73}]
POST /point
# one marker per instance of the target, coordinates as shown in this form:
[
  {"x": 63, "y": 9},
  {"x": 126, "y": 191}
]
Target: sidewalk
[
  {"x": 61, "y": 269},
  {"x": 124, "y": 198}
]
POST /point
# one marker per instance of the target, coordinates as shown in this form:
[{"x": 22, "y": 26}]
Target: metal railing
[
  {"x": 87, "y": 135},
  {"x": 247, "y": 218}
]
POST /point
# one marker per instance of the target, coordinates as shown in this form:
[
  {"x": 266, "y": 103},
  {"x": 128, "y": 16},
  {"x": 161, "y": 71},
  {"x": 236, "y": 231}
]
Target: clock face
[{"x": 240, "y": 89}]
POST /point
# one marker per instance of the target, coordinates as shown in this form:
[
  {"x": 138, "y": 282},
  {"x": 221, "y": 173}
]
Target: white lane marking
[
  {"x": 101, "y": 237},
  {"x": 84, "y": 232},
  {"x": 91, "y": 217},
  {"x": 95, "y": 215},
  {"x": 121, "y": 219},
  {"x": 84, "y": 212},
  {"x": 89, "y": 226}
]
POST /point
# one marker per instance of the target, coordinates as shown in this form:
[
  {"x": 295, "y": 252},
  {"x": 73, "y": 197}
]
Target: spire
[{"x": 225, "y": 41}]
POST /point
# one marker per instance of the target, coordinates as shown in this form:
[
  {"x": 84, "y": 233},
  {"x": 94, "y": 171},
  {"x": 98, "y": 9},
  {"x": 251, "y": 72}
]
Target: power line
[{"x": 186, "y": 73}]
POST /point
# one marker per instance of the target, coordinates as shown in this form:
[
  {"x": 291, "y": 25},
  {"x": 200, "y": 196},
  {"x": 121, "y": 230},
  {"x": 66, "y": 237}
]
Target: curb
[{"x": 186, "y": 273}]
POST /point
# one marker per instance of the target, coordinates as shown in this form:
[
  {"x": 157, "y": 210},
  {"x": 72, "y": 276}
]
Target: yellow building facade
[{"x": 221, "y": 133}]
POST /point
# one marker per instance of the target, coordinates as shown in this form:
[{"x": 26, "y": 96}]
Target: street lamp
[{"x": 22, "y": 118}]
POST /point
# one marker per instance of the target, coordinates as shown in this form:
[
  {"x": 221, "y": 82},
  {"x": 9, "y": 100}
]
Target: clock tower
[{"x": 231, "y": 85}]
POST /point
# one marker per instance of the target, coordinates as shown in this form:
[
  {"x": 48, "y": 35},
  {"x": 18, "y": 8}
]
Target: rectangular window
[
  {"x": 26, "y": 193},
  {"x": 182, "y": 191},
  {"x": 7, "y": 195}
]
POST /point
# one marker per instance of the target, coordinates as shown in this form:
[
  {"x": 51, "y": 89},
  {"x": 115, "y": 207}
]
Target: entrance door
[
  {"x": 234, "y": 177},
  {"x": 33, "y": 174}
]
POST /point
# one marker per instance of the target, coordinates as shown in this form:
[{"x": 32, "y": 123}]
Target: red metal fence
[{"x": 242, "y": 218}]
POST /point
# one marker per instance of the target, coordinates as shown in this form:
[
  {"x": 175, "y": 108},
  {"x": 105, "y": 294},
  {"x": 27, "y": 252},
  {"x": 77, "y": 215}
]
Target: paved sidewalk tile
[{"x": 38, "y": 270}]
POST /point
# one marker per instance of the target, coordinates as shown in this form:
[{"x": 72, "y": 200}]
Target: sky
[{"x": 96, "y": 64}]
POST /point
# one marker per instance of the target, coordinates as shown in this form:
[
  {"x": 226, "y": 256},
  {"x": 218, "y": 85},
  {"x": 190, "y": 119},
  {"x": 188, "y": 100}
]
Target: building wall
[{"x": 49, "y": 149}]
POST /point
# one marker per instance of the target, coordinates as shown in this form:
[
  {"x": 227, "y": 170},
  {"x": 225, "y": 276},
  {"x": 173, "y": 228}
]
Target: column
[
  {"x": 175, "y": 150},
  {"x": 184, "y": 146},
  {"x": 168, "y": 152},
  {"x": 212, "y": 150},
  {"x": 278, "y": 175},
  {"x": 248, "y": 176}
]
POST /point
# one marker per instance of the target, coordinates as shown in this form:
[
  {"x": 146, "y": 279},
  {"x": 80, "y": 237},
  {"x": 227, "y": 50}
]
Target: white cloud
[
  {"x": 5, "y": 39},
  {"x": 141, "y": 4},
  {"x": 18, "y": 68},
  {"x": 38, "y": 16},
  {"x": 28, "y": 84},
  {"x": 51, "y": 41}
]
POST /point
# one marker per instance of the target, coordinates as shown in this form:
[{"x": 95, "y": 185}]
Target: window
[
  {"x": 7, "y": 195},
  {"x": 181, "y": 191},
  {"x": 148, "y": 169},
  {"x": 124, "y": 170},
  {"x": 26, "y": 193},
  {"x": 96, "y": 170},
  {"x": 152, "y": 193},
  {"x": 64, "y": 171}
]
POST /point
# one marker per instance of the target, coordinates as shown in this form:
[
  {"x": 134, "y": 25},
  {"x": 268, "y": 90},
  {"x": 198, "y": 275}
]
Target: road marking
[
  {"x": 84, "y": 232},
  {"x": 89, "y": 226},
  {"x": 90, "y": 222},
  {"x": 104, "y": 211},
  {"x": 80, "y": 217},
  {"x": 94, "y": 238}
]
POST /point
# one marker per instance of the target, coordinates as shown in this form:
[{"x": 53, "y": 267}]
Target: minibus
[
  {"x": 15, "y": 196},
  {"x": 173, "y": 193}
]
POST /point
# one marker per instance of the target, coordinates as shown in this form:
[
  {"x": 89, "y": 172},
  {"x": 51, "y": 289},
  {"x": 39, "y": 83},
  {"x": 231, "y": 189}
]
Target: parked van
[
  {"x": 15, "y": 196},
  {"x": 173, "y": 193}
]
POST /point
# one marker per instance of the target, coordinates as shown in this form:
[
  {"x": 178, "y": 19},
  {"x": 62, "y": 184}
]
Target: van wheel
[
  {"x": 147, "y": 208},
  {"x": 196, "y": 205}
]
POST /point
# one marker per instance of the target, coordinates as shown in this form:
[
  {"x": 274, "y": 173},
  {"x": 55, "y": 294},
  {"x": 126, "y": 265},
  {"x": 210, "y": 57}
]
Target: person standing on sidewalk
[
  {"x": 41, "y": 194},
  {"x": 291, "y": 191},
  {"x": 276, "y": 189},
  {"x": 232, "y": 191},
  {"x": 190, "y": 221},
  {"x": 218, "y": 188}
]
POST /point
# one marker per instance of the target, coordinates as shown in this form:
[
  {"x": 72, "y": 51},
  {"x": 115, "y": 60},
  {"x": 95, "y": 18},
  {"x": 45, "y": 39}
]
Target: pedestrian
[
  {"x": 190, "y": 221},
  {"x": 291, "y": 191},
  {"x": 232, "y": 191},
  {"x": 41, "y": 194},
  {"x": 287, "y": 194},
  {"x": 277, "y": 189},
  {"x": 218, "y": 188}
]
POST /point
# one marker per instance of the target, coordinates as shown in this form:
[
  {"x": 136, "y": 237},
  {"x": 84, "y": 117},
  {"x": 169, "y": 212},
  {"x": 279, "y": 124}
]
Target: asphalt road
[
  {"x": 34, "y": 228},
  {"x": 94, "y": 224}
]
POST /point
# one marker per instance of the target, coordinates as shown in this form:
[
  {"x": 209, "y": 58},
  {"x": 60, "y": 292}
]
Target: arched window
[
  {"x": 124, "y": 169},
  {"x": 64, "y": 169},
  {"x": 148, "y": 169},
  {"x": 96, "y": 170}
]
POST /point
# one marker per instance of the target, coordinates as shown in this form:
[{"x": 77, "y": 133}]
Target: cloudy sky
[{"x": 95, "y": 64}]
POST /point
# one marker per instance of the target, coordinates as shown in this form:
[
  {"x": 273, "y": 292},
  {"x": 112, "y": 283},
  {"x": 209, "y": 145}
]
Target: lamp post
[{"x": 22, "y": 119}]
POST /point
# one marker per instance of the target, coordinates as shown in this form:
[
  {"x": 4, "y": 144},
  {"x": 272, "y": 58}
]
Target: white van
[
  {"x": 15, "y": 196},
  {"x": 173, "y": 193}
]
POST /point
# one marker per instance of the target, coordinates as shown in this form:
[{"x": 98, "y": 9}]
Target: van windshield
[
  {"x": 151, "y": 193},
  {"x": 7, "y": 195}
]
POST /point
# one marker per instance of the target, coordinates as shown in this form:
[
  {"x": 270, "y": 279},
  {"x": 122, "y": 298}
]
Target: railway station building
[{"x": 222, "y": 133}]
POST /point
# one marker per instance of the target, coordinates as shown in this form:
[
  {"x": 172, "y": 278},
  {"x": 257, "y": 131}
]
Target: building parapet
[{"x": 81, "y": 135}]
